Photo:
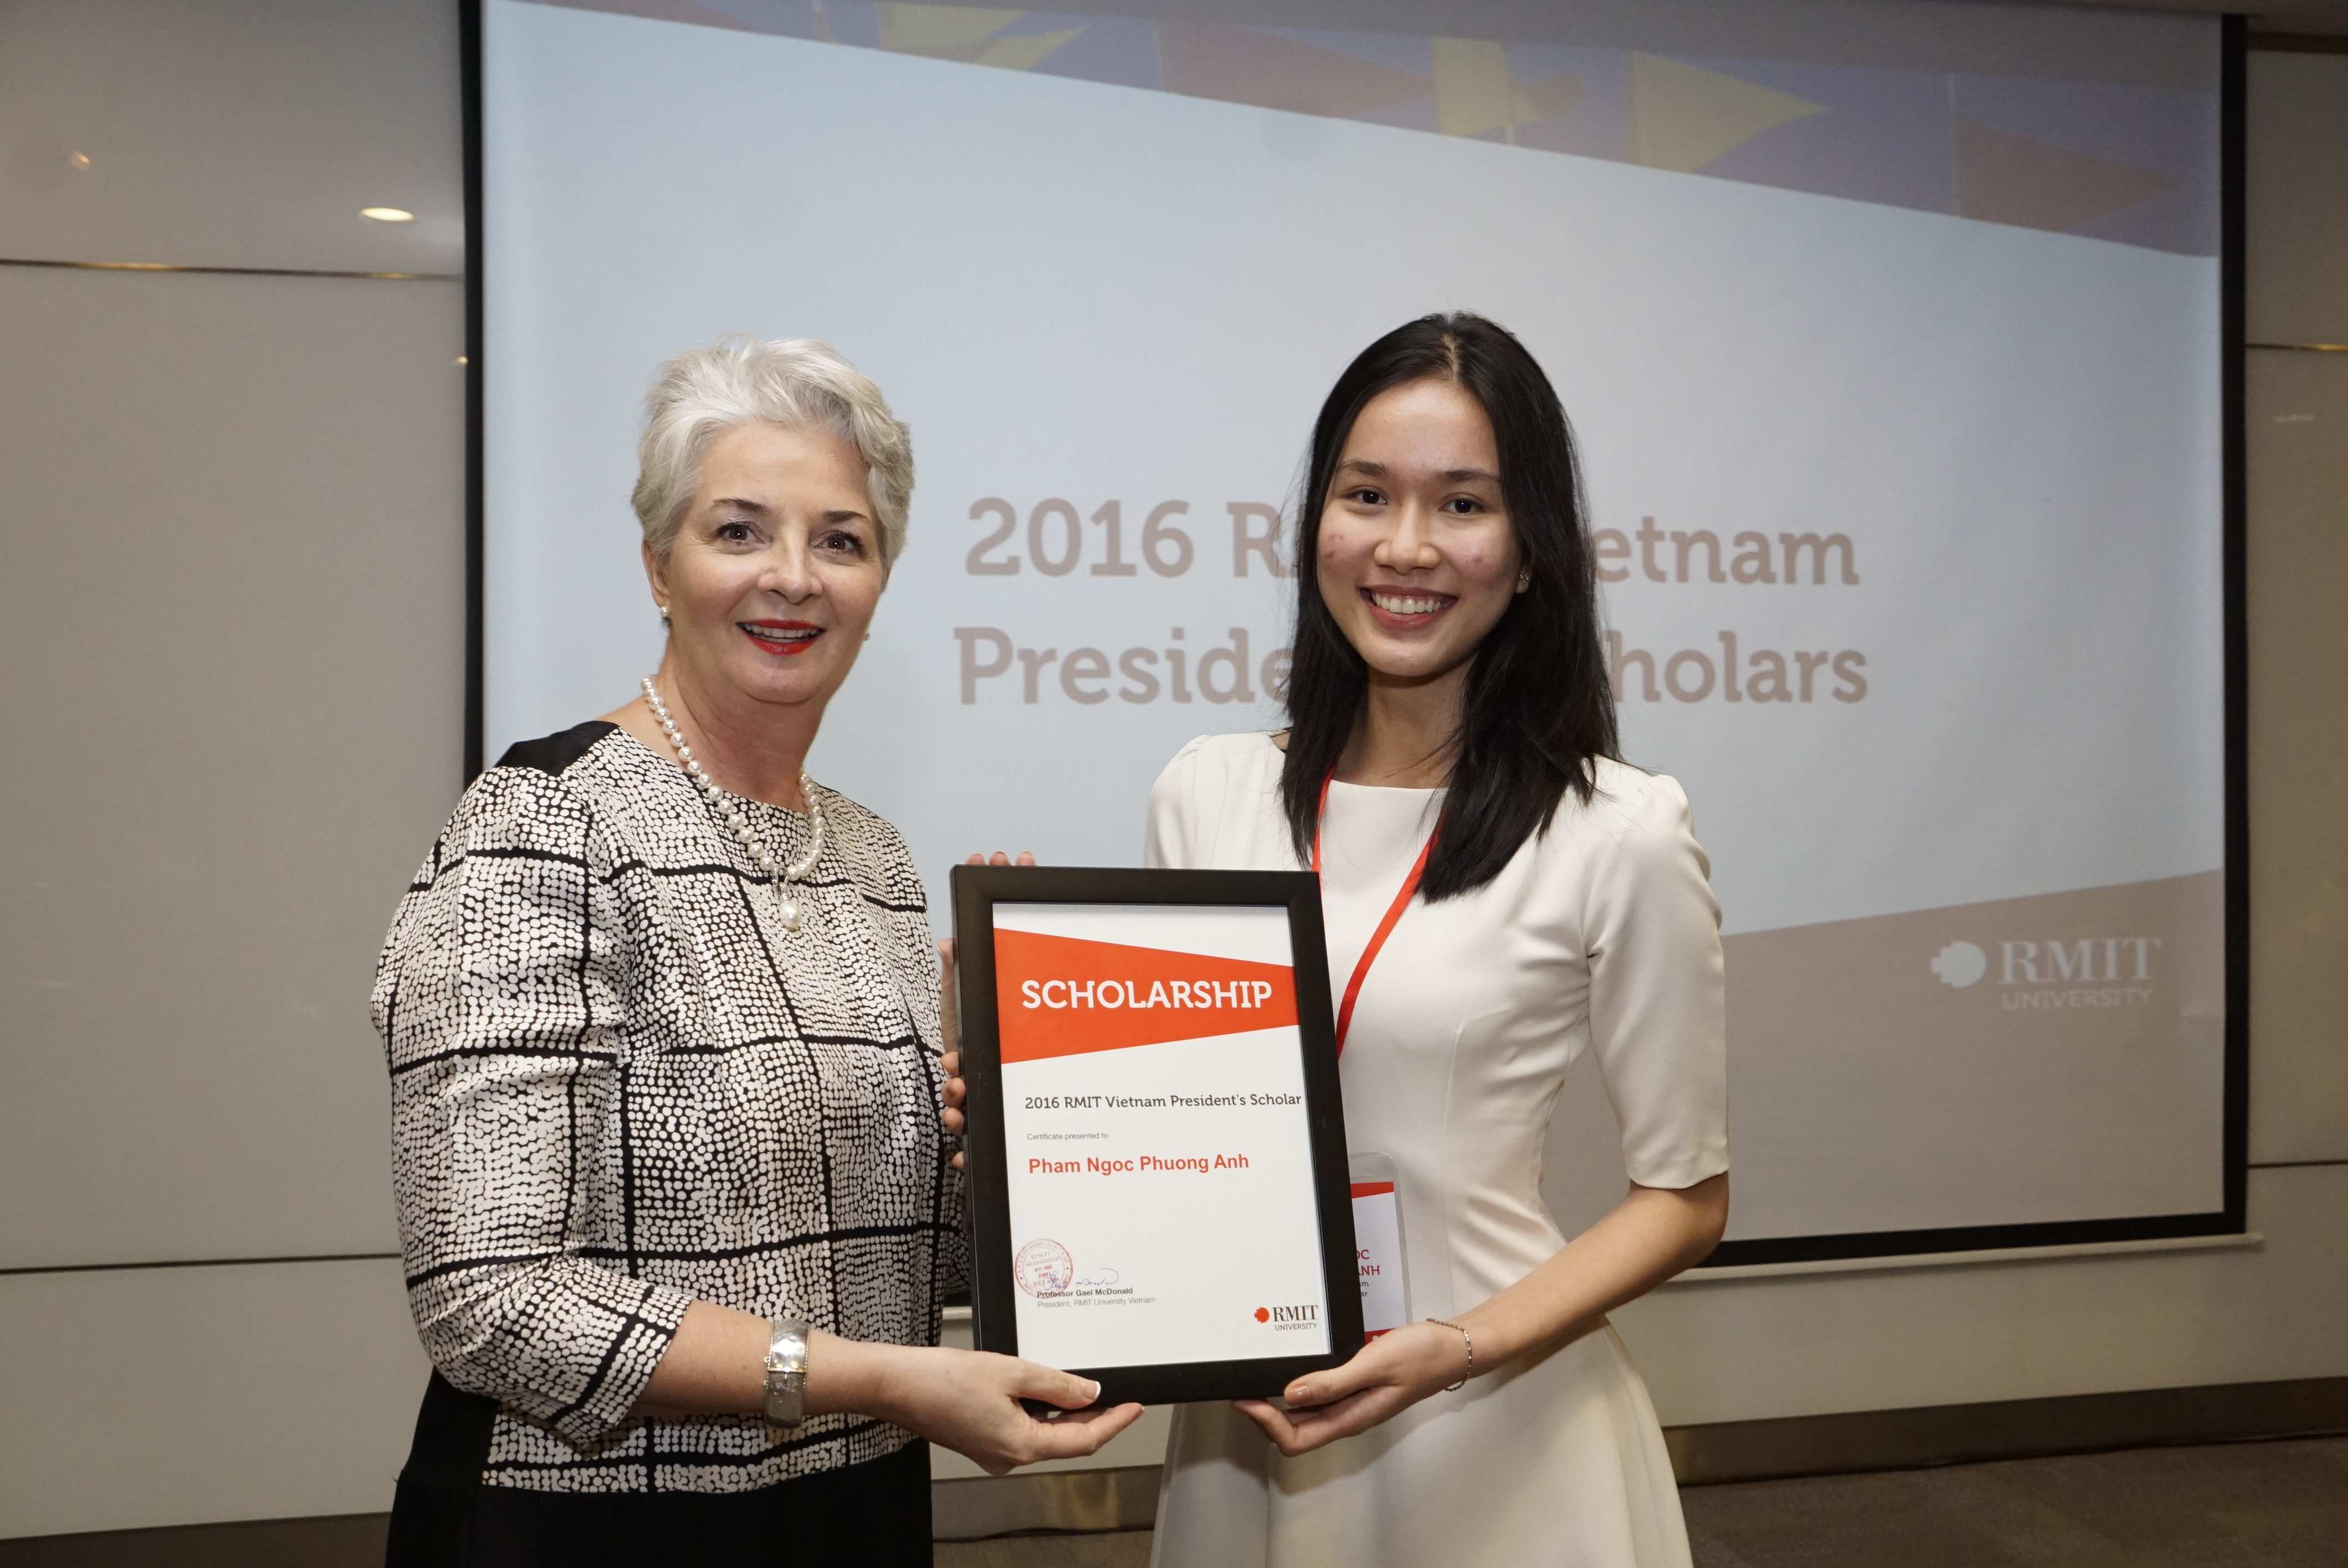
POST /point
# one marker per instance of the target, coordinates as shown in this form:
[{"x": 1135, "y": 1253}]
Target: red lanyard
[{"x": 1386, "y": 927}]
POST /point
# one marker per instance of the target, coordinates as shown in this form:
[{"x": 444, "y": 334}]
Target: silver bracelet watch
[{"x": 787, "y": 1359}]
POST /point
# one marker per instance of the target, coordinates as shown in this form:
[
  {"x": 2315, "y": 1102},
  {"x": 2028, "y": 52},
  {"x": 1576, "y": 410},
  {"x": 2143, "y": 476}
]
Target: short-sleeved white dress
[{"x": 1600, "y": 935}]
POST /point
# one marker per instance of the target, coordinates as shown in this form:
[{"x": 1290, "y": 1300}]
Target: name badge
[{"x": 1378, "y": 1241}]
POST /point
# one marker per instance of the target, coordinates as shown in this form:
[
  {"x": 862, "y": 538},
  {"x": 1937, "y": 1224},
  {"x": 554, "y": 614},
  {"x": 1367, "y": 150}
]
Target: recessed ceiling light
[
  {"x": 387, "y": 214},
  {"x": 77, "y": 159}
]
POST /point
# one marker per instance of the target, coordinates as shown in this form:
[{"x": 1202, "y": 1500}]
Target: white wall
[
  {"x": 232, "y": 645},
  {"x": 231, "y": 654}
]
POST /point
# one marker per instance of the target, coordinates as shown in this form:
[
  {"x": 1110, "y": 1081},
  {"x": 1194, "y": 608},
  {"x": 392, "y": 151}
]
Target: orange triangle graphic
[
  {"x": 1246, "y": 65},
  {"x": 1064, "y": 996},
  {"x": 2007, "y": 179}
]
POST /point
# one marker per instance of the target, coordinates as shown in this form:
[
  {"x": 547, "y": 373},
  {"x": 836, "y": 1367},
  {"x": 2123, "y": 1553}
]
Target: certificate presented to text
[{"x": 1156, "y": 1156}]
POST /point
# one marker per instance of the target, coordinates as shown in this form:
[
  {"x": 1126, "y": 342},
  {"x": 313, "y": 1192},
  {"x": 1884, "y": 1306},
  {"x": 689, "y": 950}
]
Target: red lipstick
[{"x": 783, "y": 637}]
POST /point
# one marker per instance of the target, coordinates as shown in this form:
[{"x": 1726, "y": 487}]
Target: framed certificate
[{"x": 1158, "y": 1196}]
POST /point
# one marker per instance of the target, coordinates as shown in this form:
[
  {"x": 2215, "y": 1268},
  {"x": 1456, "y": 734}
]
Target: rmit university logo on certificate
[
  {"x": 1153, "y": 1082},
  {"x": 1305, "y": 1315}
]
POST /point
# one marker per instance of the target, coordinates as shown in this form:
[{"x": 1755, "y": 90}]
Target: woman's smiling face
[
  {"x": 775, "y": 569},
  {"x": 1416, "y": 555}
]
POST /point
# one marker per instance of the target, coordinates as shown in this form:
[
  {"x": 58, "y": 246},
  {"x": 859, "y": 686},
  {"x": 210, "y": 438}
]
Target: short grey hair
[{"x": 796, "y": 382}]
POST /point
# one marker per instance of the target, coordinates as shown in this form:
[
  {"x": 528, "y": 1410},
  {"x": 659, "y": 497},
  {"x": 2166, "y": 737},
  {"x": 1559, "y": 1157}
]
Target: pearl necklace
[{"x": 731, "y": 813}]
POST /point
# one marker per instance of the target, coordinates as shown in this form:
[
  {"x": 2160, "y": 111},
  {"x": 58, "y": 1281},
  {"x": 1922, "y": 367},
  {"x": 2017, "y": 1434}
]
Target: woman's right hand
[{"x": 968, "y": 1401}]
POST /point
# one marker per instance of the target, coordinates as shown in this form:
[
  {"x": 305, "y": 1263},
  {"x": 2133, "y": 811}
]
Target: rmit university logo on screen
[
  {"x": 1304, "y": 1317},
  {"x": 2073, "y": 972}
]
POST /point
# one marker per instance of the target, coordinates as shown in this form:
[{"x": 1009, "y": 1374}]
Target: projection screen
[{"x": 1895, "y": 336}]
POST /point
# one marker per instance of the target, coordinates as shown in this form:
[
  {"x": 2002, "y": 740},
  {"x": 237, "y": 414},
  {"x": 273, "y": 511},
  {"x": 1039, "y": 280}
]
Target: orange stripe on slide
[{"x": 1063, "y": 995}]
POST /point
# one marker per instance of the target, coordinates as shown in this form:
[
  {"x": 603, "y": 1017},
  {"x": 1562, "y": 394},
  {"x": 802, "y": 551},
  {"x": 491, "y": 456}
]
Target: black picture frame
[{"x": 978, "y": 891}]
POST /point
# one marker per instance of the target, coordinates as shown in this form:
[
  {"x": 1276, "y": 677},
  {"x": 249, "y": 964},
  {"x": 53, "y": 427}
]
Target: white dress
[{"x": 1600, "y": 935}]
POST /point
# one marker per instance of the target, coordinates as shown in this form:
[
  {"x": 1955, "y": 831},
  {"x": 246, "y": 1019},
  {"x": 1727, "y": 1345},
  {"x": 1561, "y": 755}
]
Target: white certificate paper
[{"x": 1156, "y": 1152}]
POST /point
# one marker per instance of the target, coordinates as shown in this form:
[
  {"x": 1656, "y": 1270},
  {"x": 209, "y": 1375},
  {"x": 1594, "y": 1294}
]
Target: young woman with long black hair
[{"x": 1501, "y": 894}]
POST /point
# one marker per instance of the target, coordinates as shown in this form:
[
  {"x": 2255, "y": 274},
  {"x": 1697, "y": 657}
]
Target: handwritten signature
[{"x": 1108, "y": 1277}]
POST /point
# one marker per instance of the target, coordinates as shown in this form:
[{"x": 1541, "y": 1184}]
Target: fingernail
[
  {"x": 1298, "y": 1394},
  {"x": 1092, "y": 1390}
]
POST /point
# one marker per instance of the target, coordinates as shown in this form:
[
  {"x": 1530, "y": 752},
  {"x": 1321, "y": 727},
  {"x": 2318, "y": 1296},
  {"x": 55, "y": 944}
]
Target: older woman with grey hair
[{"x": 666, "y": 1045}]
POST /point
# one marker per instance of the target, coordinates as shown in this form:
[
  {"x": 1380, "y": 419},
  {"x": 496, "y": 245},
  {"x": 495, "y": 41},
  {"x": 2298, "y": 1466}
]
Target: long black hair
[{"x": 1539, "y": 711}]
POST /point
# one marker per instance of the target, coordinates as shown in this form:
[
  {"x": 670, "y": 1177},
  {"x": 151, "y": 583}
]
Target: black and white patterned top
[{"x": 618, "y": 1085}]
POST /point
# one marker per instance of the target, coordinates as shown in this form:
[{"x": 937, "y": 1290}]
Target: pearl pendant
[{"x": 732, "y": 816}]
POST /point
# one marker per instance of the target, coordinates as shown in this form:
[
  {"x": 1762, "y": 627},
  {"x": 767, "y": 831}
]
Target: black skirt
[{"x": 873, "y": 1515}]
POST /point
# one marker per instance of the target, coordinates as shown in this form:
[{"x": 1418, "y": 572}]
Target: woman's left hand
[{"x": 1390, "y": 1374}]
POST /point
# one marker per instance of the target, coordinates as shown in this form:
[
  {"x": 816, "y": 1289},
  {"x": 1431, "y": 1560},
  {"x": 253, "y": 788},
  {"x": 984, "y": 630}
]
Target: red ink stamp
[{"x": 1043, "y": 1268}]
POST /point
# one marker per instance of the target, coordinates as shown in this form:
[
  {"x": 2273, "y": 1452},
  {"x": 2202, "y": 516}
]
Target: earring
[
  {"x": 1524, "y": 580},
  {"x": 663, "y": 613}
]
